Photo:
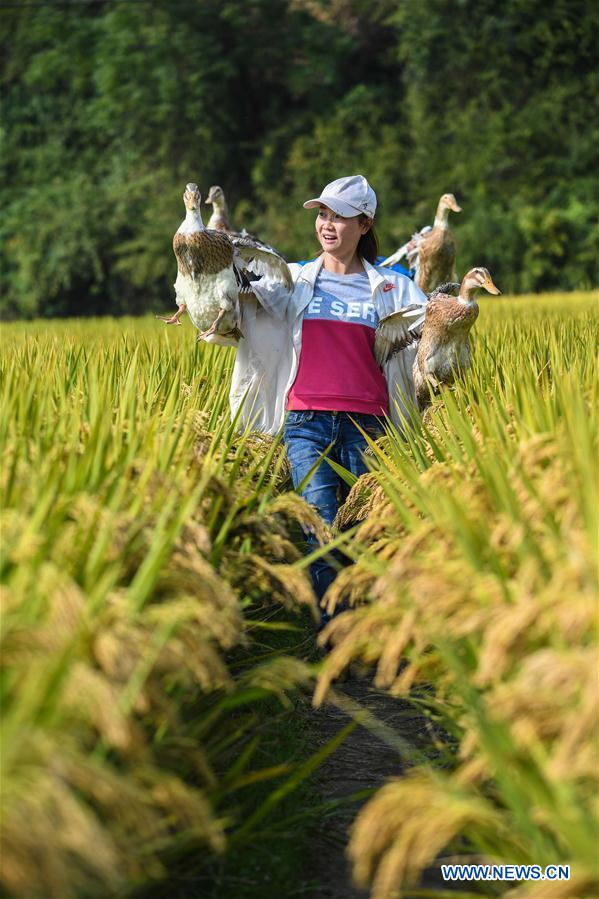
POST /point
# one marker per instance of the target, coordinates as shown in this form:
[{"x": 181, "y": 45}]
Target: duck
[
  {"x": 219, "y": 219},
  {"x": 431, "y": 251},
  {"x": 214, "y": 271},
  {"x": 441, "y": 329}
]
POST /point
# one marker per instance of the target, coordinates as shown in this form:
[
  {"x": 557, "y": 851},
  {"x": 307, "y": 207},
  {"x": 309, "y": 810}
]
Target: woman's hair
[{"x": 368, "y": 245}]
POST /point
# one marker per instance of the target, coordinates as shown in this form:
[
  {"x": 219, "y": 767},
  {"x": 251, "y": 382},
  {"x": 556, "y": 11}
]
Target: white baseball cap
[{"x": 347, "y": 197}]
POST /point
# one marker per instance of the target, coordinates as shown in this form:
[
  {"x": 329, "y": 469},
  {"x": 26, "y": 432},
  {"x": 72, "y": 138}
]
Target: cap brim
[{"x": 335, "y": 204}]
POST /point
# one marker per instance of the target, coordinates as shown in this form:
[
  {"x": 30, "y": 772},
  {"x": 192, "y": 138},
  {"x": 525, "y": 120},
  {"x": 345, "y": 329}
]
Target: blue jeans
[{"x": 306, "y": 436}]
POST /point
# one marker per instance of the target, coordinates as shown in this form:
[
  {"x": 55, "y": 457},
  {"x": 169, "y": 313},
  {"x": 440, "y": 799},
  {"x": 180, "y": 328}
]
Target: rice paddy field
[{"x": 158, "y": 636}]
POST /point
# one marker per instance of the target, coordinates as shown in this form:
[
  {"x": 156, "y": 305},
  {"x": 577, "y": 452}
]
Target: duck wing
[
  {"x": 261, "y": 259},
  {"x": 446, "y": 289},
  {"x": 399, "y": 254},
  {"x": 232, "y": 232},
  {"x": 409, "y": 249},
  {"x": 397, "y": 331}
]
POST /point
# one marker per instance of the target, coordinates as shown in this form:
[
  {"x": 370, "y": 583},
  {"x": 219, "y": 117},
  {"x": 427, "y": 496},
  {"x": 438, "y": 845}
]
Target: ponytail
[{"x": 368, "y": 245}]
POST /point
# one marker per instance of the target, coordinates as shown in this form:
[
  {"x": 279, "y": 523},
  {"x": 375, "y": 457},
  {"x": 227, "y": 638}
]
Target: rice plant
[
  {"x": 143, "y": 540},
  {"x": 475, "y": 572},
  {"x": 148, "y": 548}
]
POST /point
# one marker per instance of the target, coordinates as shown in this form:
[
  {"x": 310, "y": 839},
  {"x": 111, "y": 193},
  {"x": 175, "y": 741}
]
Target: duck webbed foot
[
  {"x": 174, "y": 319},
  {"x": 213, "y": 327}
]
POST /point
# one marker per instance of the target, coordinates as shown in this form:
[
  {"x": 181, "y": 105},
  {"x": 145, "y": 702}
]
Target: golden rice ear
[
  {"x": 51, "y": 837},
  {"x": 291, "y": 587},
  {"x": 407, "y": 824},
  {"x": 294, "y": 508},
  {"x": 361, "y": 500},
  {"x": 280, "y": 676},
  {"x": 94, "y": 699},
  {"x": 352, "y": 586},
  {"x": 187, "y": 806},
  {"x": 528, "y": 701}
]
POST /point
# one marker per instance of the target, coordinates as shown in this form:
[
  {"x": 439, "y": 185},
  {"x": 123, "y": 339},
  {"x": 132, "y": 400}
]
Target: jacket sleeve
[
  {"x": 408, "y": 294},
  {"x": 273, "y": 296}
]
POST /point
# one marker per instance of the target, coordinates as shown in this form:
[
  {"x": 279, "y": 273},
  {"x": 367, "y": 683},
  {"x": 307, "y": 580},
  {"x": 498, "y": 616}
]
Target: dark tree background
[{"x": 111, "y": 106}]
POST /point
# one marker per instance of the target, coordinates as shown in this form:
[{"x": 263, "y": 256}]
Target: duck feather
[
  {"x": 397, "y": 331},
  {"x": 260, "y": 258}
]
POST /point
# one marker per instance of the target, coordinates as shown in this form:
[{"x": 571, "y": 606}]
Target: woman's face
[{"x": 337, "y": 235}]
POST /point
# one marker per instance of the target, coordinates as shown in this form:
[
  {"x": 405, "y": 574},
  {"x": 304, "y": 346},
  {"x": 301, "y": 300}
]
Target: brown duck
[
  {"x": 435, "y": 262},
  {"x": 213, "y": 272},
  {"x": 431, "y": 251},
  {"x": 219, "y": 219},
  {"x": 441, "y": 328}
]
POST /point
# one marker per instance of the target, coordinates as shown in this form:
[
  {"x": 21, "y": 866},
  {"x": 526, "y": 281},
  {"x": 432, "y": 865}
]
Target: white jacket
[{"x": 268, "y": 354}]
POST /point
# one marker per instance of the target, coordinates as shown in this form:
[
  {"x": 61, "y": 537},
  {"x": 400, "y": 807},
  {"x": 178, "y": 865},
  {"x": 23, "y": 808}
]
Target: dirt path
[{"x": 370, "y": 755}]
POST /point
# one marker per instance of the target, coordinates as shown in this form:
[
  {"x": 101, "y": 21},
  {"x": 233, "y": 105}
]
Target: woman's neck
[{"x": 337, "y": 265}]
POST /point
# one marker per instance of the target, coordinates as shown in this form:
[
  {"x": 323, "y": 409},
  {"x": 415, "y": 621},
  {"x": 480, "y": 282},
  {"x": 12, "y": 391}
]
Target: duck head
[
  {"x": 192, "y": 197},
  {"x": 448, "y": 201},
  {"x": 447, "y": 204},
  {"x": 215, "y": 195},
  {"x": 476, "y": 279}
]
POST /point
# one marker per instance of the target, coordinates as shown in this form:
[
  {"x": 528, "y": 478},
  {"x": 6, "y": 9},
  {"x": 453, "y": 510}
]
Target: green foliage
[
  {"x": 498, "y": 103},
  {"x": 110, "y": 108}
]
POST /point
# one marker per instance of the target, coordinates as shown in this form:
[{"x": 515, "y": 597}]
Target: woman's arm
[{"x": 272, "y": 295}]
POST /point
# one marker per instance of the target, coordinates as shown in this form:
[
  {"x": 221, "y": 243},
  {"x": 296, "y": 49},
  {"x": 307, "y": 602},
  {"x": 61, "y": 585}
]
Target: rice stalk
[{"x": 476, "y": 572}]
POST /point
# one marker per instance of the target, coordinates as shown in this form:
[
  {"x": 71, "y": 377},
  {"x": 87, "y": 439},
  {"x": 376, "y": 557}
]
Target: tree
[{"x": 110, "y": 108}]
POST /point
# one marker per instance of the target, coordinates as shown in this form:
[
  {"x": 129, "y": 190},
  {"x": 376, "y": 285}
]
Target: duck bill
[
  {"x": 490, "y": 287},
  {"x": 455, "y": 208}
]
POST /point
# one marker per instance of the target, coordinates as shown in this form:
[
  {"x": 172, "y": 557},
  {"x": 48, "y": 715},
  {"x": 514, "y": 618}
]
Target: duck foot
[
  {"x": 174, "y": 319},
  {"x": 213, "y": 327},
  {"x": 169, "y": 321}
]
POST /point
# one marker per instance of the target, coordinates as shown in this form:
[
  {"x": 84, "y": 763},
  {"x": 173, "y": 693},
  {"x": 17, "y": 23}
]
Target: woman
[{"x": 309, "y": 354}]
